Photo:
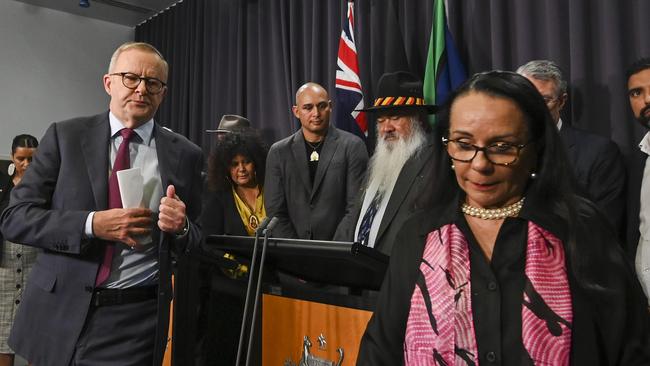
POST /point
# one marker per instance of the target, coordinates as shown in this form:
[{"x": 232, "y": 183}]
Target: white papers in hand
[{"x": 131, "y": 187}]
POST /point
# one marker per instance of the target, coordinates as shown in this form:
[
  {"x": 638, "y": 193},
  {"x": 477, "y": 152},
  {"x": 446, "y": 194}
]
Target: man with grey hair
[
  {"x": 402, "y": 163},
  {"x": 597, "y": 163},
  {"x": 99, "y": 292}
]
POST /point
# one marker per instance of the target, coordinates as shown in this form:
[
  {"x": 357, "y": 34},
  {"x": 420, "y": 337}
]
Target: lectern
[{"x": 317, "y": 311}]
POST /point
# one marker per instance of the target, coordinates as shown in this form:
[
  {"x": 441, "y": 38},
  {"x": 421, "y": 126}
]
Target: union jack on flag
[{"x": 348, "y": 85}]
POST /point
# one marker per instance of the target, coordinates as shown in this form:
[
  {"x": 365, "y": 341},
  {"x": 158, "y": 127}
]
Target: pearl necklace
[{"x": 495, "y": 213}]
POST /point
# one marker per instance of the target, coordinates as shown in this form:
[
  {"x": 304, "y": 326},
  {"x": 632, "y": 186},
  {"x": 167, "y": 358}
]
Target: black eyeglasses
[
  {"x": 501, "y": 153},
  {"x": 131, "y": 81}
]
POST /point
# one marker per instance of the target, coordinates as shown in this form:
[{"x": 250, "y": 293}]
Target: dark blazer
[
  {"x": 416, "y": 176},
  {"x": 6, "y": 185},
  {"x": 220, "y": 215},
  {"x": 599, "y": 169},
  {"x": 67, "y": 179},
  {"x": 610, "y": 327},
  {"x": 635, "y": 167},
  {"x": 307, "y": 211},
  {"x": 209, "y": 306},
  {"x": 5, "y": 188}
]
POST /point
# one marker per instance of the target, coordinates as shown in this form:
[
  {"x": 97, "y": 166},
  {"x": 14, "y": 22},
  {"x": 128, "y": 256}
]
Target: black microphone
[
  {"x": 249, "y": 288},
  {"x": 263, "y": 225},
  {"x": 272, "y": 224}
]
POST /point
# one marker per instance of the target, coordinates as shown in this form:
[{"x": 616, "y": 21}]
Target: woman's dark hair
[
  {"x": 23, "y": 140},
  {"x": 553, "y": 188},
  {"x": 552, "y": 167},
  {"x": 245, "y": 143}
]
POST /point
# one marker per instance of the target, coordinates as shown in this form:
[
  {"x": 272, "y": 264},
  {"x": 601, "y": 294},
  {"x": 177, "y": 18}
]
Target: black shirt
[
  {"x": 610, "y": 327},
  {"x": 497, "y": 293},
  {"x": 313, "y": 165}
]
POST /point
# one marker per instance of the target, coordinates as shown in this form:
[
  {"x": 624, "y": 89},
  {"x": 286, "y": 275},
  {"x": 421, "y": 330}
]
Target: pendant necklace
[
  {"x": 253, "y": 220},
  {"x": 314, "y": 156}
]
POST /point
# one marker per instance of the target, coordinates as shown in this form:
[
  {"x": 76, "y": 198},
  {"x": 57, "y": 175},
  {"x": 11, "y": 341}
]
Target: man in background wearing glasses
[
  {"x": 99, "y": 293},
  {"x": 597, "y": 163}
]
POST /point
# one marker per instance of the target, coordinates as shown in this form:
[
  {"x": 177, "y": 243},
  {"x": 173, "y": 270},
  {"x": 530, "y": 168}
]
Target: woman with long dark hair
[
  {"x": 15, "y": 260},
  {"x": 508, "y": 266},
  {"x": 234, "y": 205}
]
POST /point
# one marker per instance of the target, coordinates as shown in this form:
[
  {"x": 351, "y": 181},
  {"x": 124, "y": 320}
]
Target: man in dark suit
[
  {"x": 638, "y": 91},
  {"x": 99, "y": 293},
  {"x": 313, "y": 176},
  {"x": 402, "y": 165},
  {"x": 597, "y": 163}
]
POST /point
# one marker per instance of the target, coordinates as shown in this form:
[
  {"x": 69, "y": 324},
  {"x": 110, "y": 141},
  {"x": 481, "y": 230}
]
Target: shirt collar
[
  {"x": 644, "y": 145},
  {"x": 559, "y": 124},
  {"x": 145, "y": 130}
]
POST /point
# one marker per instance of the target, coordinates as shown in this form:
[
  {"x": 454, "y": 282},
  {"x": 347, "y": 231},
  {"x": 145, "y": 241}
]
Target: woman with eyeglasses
[
  {"x": 15, "y": 260},
  {"x": 514, "y": 269}
]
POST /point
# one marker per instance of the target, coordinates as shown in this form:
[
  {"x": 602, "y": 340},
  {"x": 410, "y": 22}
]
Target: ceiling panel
[{"x": 125, "y": 12}]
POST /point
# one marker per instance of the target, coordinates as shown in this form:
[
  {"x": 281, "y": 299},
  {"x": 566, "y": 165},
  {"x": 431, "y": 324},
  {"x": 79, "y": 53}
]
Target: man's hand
[
  {"x": 172, "y": 212},
  {"x": 122, "y": 224}
]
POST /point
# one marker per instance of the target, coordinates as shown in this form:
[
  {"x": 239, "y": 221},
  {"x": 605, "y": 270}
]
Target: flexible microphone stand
[
  {"x": 258, "y": 232},
  {"x": 267, "y": 231}
]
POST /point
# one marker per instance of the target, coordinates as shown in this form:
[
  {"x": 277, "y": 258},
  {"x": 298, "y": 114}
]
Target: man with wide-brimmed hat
[{"x": 402, "y": 164}]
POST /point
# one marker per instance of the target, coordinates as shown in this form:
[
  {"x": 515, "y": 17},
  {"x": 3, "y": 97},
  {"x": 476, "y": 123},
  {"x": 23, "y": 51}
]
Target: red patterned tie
[{"x": 122, "y": 161}]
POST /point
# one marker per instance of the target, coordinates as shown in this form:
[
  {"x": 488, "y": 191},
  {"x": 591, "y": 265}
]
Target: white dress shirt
[{"x": 642, "y": 261}]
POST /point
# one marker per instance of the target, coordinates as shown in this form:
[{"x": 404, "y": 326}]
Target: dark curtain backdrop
[{"x": 249, "y": 56}]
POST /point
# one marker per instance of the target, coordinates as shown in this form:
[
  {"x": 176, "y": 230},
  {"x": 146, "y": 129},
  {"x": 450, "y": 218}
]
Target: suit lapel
[
  {"x": 169, "y": 155},
  {"x": 569, "y": 141},
  {"x": 329, "y": 148},
  {"x": 300, "y": 159},
  {"x": 94, "y": 144},
  {"x": 403, "y": 185}
]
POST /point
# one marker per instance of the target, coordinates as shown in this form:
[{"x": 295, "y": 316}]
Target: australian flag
[{"x": 348, "y": 85}]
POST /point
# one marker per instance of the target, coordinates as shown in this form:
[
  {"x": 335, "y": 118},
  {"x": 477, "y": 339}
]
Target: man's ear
[
  {"x": 294, "y": 109},
  {"x": 107, "y": 83},
  {"x": 562, "y": 100}
]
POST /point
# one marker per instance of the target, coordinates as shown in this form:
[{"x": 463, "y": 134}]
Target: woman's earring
[
  {"x": 453, "y": 167},
  {"x": 533, "y": 175},
  {"x": 11, "y": 169}
]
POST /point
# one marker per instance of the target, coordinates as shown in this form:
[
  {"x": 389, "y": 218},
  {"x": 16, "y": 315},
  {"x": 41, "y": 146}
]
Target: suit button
[
  {"x": 491, "y": 356},
  {"x": 17, "y": 302},
  {"x": 492, "y": 286},
  {"x": 19, "y": 270},
  {"x": 18, "y": 255},
  {"x": 18, "y": 286}
]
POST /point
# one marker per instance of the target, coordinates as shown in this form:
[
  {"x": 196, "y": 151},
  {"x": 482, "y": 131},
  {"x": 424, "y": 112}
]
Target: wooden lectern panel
[{"x": 286, "y": 322}]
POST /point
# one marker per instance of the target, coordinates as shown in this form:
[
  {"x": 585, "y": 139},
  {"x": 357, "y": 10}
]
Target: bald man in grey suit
[{"x": 313, "y": 176}]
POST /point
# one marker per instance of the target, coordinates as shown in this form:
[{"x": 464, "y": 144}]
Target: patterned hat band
[{"x": 398, "y": 101}]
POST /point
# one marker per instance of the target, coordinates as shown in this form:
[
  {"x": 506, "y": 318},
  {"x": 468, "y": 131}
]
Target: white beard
[{"x": 390, "y": 156}]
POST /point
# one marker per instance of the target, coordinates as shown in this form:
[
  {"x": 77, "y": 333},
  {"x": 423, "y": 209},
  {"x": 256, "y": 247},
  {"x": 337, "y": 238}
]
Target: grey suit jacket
[
  {"x": 67, "y": 179},
  {"x": 307, "y": 211}
]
